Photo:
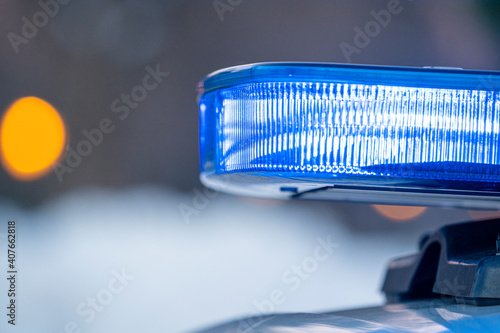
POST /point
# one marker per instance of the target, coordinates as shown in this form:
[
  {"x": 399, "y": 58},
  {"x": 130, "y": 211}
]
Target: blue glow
[
  {"x": 359, "y": 129},
  {"x": 324, "y": 127}
]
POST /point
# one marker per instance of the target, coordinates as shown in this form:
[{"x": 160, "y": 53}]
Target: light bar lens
[
  {"x": 342, "y": 129},
  {"x": 329, "y": 130}
]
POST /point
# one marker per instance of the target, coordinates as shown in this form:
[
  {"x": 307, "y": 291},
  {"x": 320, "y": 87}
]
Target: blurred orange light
[
  {"x": 262, "y": 203},
  {"x": 479, "y": 215},
  {"x": 32, "y": 138},
  {"x": 400, "y": 213}
]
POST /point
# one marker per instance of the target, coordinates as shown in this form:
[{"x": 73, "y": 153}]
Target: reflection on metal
[{"x": 437, "y": 315}]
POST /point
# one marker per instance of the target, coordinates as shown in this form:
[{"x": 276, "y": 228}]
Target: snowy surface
[{"x": 229, "y": 259}]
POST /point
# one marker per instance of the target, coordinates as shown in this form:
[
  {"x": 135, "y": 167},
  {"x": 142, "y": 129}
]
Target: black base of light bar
[{"x": 461, "y": 261}]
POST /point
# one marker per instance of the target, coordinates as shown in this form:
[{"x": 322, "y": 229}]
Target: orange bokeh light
[
  {"x": 479, "y": 215},
  {"x": 32, "y": 138},
  {"x": 399, "y": 213}
]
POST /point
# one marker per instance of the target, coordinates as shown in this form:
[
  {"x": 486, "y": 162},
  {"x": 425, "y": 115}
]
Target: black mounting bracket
[{"x": 460, "y": 261}]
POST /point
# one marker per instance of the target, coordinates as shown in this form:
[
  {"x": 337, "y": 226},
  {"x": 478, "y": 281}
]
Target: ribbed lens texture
[{"x": 336, "y": 129}]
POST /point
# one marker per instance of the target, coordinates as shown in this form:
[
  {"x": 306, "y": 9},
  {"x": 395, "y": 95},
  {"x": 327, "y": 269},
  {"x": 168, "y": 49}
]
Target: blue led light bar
[{"x": 418, "y": 136}]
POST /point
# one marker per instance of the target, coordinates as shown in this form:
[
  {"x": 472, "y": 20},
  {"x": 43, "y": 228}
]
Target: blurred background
[{"x": 114, "y": 201}]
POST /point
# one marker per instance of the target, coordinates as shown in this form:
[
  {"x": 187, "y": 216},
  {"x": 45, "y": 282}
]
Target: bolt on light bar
[{"x": 418, "y": 136}]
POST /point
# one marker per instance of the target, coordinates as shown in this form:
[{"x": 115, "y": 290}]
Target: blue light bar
[{"x": 416, "y": 136}]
